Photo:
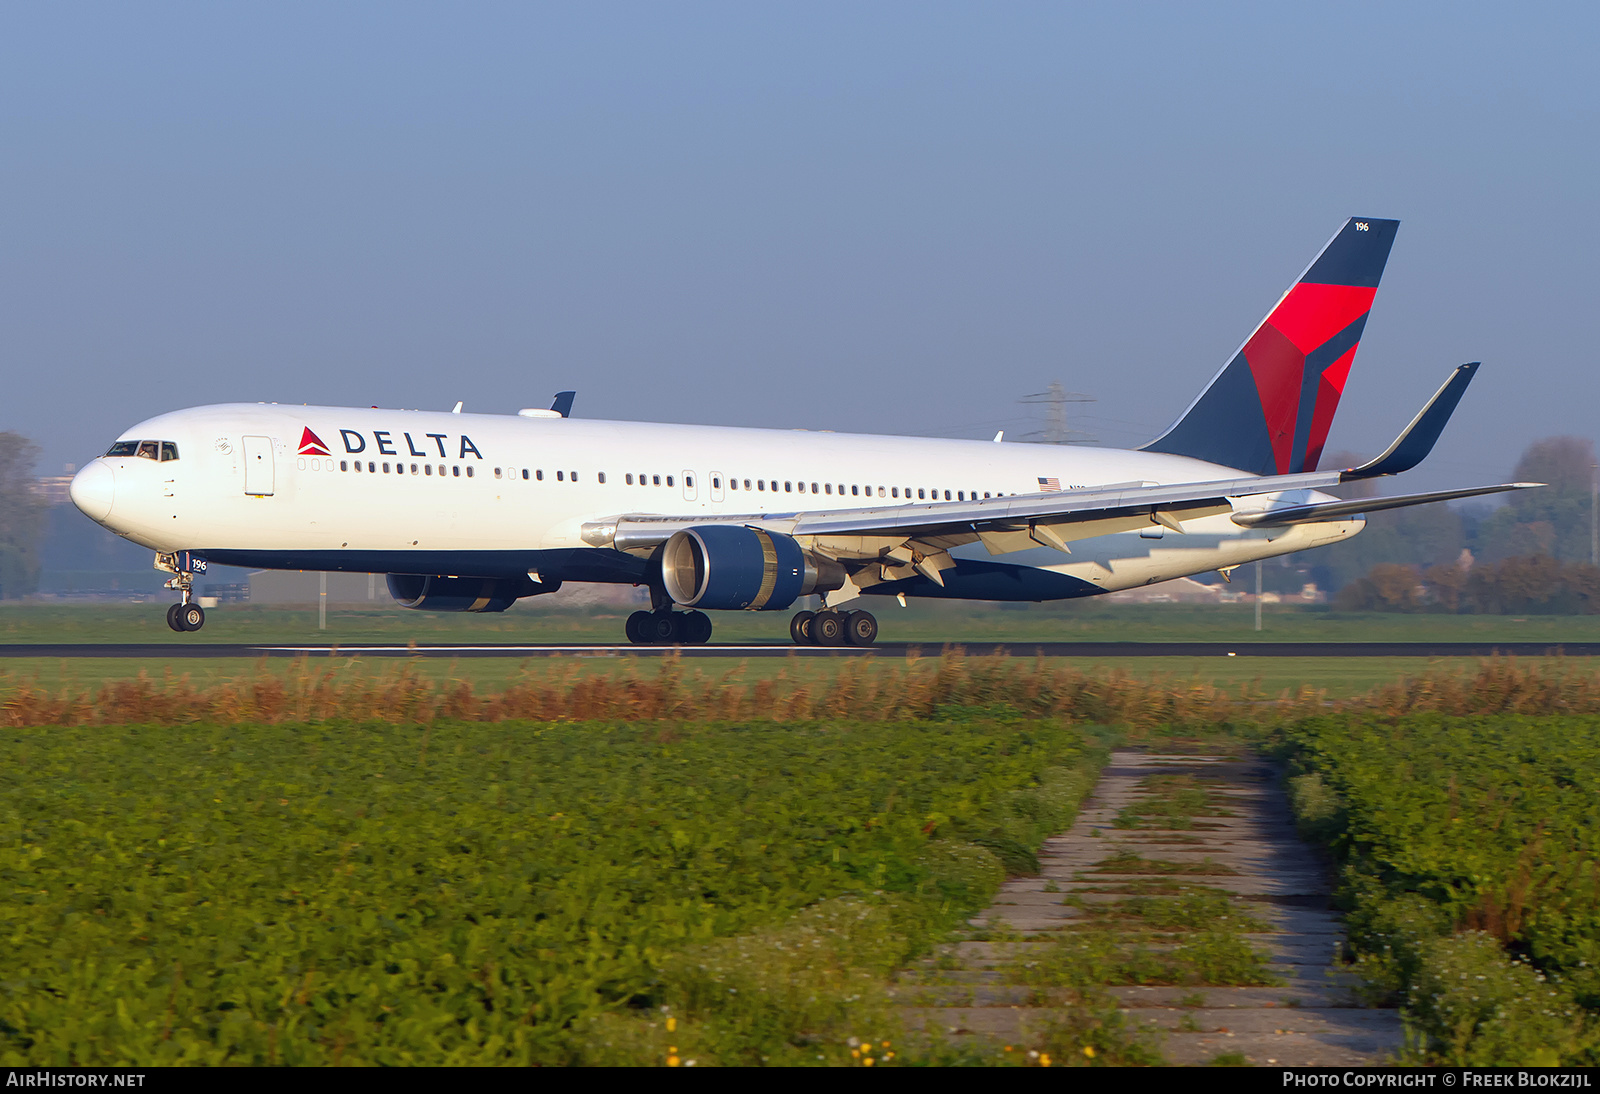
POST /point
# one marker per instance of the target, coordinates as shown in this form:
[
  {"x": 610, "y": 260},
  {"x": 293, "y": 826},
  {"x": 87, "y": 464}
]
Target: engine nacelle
[
  {"x": 732, "y": 567},
  {"x": 463, "y": 594}
]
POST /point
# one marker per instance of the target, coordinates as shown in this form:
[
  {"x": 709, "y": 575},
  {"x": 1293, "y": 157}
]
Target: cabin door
[{"x": 259, "y": 477}]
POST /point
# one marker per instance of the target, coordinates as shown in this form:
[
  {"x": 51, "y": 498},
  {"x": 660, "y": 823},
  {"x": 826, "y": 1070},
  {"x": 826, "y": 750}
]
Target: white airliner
[{"x": 469, "y": 512}]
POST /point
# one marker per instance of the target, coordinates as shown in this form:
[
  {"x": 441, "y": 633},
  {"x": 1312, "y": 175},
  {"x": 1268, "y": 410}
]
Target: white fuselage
[{"x": 439, "y": 492}]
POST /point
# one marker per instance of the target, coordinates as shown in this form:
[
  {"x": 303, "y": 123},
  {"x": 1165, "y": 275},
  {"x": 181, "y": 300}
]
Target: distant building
[
  {"x": 54, "y": 489},
  {"x": 1182, "y": 590},
  {"x": 304, "y": 587}
]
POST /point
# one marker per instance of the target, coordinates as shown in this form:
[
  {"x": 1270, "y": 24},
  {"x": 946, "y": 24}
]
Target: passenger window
[
  {"x": 469, "y": 471},
  {"x": 573, "y": 475},
  {"x": 880, "y": 492},
  {"x": 761, "y": 484},
  {"x": 628, "y": 478},
  {"x": 561, "y": 476},
  {"x": 428, "y": 469},
  {"x": 150, "y": 450},
  {"x": 344, "y": 465},
  {"x": 657, "y": 479},
  {"x": 602, "y": 477},
  {"x": 827, "y": 488},
  {"x": 960, "y": 496},
  {"x": 524, "y": 474},
  {"x": 497, "y": 472},
  {"x": 124, "y": 448},
  {"x": 947, "y": 495},
  {"x": 688, "y": 482},
  {"x": 920, "y": 494},
  {"x": 788, "y": 487},
  {"x": 385, "y": 469},
  {"x": 854, "y": 490},
  {"x": 894, "y": 491},
  {"x": 539, "y": 475},
  {"x": 169, "y": 451},
  {"x": 986, "y": 493},
  {"x": 716, "y": 483},
  {"x": 813, "y": 488},
  {"x": 441, "y": 471},
  {"x": 669, "y": 480}
]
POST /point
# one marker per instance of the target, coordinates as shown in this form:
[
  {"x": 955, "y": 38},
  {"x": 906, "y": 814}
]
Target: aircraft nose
[{"x": 94, "y": 490}]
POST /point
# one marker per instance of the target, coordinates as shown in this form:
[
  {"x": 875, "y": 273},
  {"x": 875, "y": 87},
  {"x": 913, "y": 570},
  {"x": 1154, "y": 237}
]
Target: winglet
[
  {"x": 563, "y": 403},
  {"x": 1417, "y": 439}
]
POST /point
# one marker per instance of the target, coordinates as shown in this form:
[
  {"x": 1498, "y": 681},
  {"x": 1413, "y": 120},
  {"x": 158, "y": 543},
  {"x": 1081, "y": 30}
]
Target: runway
[{"x": 1088, "y": 650}]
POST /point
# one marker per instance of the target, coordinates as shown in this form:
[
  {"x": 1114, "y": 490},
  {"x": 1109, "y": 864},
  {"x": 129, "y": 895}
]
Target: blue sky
[{"x": 880, "y": 217}]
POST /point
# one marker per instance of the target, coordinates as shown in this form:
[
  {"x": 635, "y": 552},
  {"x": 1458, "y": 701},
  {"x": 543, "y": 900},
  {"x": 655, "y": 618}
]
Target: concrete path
[{"x": 1309, "y": 1018}]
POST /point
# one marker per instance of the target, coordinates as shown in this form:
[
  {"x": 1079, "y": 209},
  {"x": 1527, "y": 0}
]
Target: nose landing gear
[
  {"x": 831, "y": 628},
  {"x": 184, "y": 615}
]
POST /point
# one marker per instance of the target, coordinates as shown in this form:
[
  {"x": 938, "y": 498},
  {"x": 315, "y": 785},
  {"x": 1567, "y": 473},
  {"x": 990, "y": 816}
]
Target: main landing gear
[
  {"x": 831, "y": 628},
  {"x": 666, "y": 627}
]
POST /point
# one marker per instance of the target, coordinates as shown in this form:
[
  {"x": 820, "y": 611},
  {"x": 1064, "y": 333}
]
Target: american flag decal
[{"x": 1049, "y": 484}]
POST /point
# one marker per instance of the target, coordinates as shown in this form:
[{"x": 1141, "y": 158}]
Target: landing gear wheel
[
  {"x": 663, "y": 628},
  {"x": 695, "y": 628},
  {"x": 172, "y": 617},
  {"x": 800, "y": 628},
  {"x": 637, "y": 628},
  {"x": 860, "y": 628},
  {"x": 191, "y": 617},
  {"x": 827, "y": 629}
]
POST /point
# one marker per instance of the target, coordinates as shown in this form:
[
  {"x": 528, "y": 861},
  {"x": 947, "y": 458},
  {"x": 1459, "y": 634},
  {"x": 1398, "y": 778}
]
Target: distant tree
[
  {"x": 1447, "y": 581},
  {"x": 1552, "y": 521},
  {"x": 21, "y": 517},
  {"x": 1564, "y": 462}
]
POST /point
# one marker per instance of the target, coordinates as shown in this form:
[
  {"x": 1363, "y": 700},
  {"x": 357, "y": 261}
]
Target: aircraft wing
[{"x": 1135, "y": 503}]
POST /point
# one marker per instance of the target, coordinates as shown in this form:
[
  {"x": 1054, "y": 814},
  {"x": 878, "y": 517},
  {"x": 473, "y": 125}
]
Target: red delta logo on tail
[
  {"x": 311, "y": 444},
  {"x": 1270, "y": 408}
]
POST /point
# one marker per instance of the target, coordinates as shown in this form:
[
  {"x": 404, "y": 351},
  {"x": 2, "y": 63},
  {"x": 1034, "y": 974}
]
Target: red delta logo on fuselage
[
  {"x": 311, "y": 444},
  {"x": 423, "y": 446}
]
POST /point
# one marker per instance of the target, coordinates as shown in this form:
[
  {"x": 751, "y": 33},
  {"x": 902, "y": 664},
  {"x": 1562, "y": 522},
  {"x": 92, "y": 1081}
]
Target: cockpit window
[
  {"x": 169, "y": 451},
  {"x": 150, "y": 450},
  {"x": 124, "y": 448}
]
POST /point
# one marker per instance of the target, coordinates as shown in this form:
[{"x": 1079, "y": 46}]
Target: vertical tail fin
[{"x": 1268, "y": 411}]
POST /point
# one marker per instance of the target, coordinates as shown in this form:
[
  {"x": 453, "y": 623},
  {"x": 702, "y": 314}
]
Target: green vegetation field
[
  {"x": 512, "y": 893},
  {"x": 1090, "y": 620},
  {"x": 1470, "y": 849}
]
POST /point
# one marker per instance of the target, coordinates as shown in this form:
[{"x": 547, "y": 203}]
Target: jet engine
[
  {"x": 464, "y": 594},
  {"x": 732, "y": 567}
]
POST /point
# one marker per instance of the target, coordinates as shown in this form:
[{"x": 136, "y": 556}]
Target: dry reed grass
[{"x": 862, "y": 689}]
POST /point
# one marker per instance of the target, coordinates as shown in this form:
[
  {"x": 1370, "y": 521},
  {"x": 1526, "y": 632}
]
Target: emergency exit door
[{"x": 259, "y": 477}]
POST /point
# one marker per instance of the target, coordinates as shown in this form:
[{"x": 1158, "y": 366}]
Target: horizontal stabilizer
[
  {"x": 1417, "y": 439},
  {"x": 1333, "y": 510}
]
